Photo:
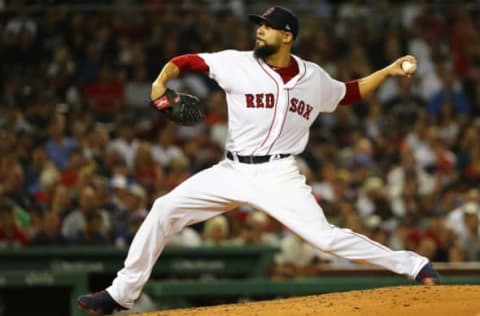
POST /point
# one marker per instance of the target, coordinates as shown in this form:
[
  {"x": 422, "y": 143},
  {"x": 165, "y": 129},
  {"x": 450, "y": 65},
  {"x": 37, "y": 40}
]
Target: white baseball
[{"x": 409, "y": 67}]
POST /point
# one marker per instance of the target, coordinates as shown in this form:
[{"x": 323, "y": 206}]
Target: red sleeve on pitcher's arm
[
  {"x": 190, "y": 62},
  {"x": 352, "y": 93}
]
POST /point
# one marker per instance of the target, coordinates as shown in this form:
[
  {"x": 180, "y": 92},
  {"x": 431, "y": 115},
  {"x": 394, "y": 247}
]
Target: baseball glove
[{"x": 182, "y": 108}]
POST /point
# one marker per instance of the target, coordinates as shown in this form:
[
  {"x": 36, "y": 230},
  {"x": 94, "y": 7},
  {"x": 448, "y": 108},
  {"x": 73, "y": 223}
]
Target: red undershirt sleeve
[
  {"x": 190, "y": 62},
  {"x": 352, "y": 93}
]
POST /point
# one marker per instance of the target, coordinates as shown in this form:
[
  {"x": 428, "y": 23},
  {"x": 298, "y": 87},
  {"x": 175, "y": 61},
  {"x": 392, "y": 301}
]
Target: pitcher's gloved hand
[{"x": 182, "y": 108}]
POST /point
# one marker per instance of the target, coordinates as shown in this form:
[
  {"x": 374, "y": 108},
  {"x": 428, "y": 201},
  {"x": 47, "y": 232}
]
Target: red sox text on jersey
[{"x": 267, "y": 100}]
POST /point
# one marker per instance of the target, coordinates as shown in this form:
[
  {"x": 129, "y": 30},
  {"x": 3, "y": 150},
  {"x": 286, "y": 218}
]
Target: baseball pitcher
[{"x": 273, "y": 97}]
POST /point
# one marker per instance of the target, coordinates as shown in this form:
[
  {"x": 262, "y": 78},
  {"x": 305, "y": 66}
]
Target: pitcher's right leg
[{"x": 164, "y": 219}]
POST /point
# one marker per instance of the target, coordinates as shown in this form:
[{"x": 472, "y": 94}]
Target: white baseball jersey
[{"x": 267, "y": 116}]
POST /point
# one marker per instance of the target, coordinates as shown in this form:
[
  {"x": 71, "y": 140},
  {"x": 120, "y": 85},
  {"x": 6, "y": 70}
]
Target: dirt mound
[{"x": 451, "y": 300}]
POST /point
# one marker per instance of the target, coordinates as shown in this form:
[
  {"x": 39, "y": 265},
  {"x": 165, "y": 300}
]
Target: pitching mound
[{"x": 394, "y": 301}]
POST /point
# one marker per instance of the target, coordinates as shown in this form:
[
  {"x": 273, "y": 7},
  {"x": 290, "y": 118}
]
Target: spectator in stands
[
  {"x": 59, "y": 146},
  {"x": 33, "y": 169},
  {"x": 187, "y": 237},
  {"x": 201, "y": 151},
  {"x": 463, "y": 33},
  {"x": 433, "y": 241},
  {"x": 40, "y": 113},
  {"x": 145, "y": 170},
  {"x": 75, "y": 222},
  {"x": 13, "y": 118},
  {"x": 216, "y": 231},
  {"x": 469, "y": 160},
  {"x": 457, "y": 253},
  {"x": 449, "y": 124},
  {"x": 104, "y": 195},
  {"x": 467, "y": 140},
  {"x": 49, "y": 231},
  {"x": 137, "y": 91},
  {"x": 62, "y": 200},
  {"x": 13, "y": 184},
  {"x": 374, "y": 199},
  {"x": 217, "y": 117},
  {"x": 455, "y": 219},
  {"x": 49, "y": 181},
  {"x": 445, "y": 161},
  {"x": 7, "y": 141},
  {"x": 61, "y": 72},
  {"x": 323, "y": 185},
  {"x": 344, "y": 128},
  {"x": 422, "y": 140},
  {"x": 405, "y": 105},
  {"x": 11, "y": 234},
  {"x": 21, "y": 22},
  {"x": 127, "y": 219},
  {"x": 164, "y": 149},
  {"x": 126, "y": 143},
  {"x": 375, "y": 123},
  {"x": 255, "y": 230},
  {"x": 471, "y": 241},
  {"x": 118, "y": 185},
  {"x": 93, "y": 233},
  {"x": 450, "y": 91},
  {"x": 362, "y": 153},
  {"x": 357, "y": 63},
  {"x": 105, "y": 96},
  {"x": 21, "y": 31},
  {"x": 94, "y": 144},
  {"x": 90, "y": 63},
  {"x": 69, "y": 175},
  {"x": 425, "y": 245},
  {"x": 407, "y": 183},
  {"x": 297, "y": 258},
  {"x": 177, "y": 172}
]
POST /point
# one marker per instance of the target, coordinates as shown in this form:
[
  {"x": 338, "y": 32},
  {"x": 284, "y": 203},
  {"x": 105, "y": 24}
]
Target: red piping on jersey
[
  {"x": 304, "y": 72},
  {"x": 352, "y": 93},
  {"x": 274, "y": 111},
  {"x": 378, "y": 245},
  {"x": 190, "y": 62},
  {"x": 283, "y": 123},
  {"x": 288, "y": 106}
]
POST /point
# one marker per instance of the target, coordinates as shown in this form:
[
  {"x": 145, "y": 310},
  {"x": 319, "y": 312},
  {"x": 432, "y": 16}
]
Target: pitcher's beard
[{"x": 264, "y": 51}]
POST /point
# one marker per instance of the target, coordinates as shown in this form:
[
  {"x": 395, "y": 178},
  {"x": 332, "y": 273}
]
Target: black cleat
[
  {"x": 99, "y": 303},
  {"x": 428, "y": 275}
]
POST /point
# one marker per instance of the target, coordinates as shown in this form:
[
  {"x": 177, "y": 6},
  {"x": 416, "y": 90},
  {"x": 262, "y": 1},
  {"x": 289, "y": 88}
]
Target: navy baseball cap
[{"x": 279, "y": 18}]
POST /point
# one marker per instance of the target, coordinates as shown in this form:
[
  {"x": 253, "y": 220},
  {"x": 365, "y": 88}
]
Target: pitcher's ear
[{"x": 287, "y": 37}]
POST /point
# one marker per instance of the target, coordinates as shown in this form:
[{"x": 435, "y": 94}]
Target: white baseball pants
[{"x": 276, "y": 187}]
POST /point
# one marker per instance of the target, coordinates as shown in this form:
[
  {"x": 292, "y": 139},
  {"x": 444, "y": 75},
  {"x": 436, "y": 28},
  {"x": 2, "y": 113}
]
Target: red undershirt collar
[{"x": 288, "y": 72}]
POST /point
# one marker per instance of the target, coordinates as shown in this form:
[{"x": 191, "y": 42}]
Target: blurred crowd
[{"x": 83, "y": 156}]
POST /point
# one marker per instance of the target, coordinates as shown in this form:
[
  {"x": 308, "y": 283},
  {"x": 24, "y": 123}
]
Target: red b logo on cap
[{"x": 268, "y": 11}]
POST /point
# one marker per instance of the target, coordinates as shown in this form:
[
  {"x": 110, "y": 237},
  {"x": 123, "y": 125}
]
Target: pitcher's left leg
[
  {"x": 292, "y": 203},
  {"x": 305, "y": 218}
]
